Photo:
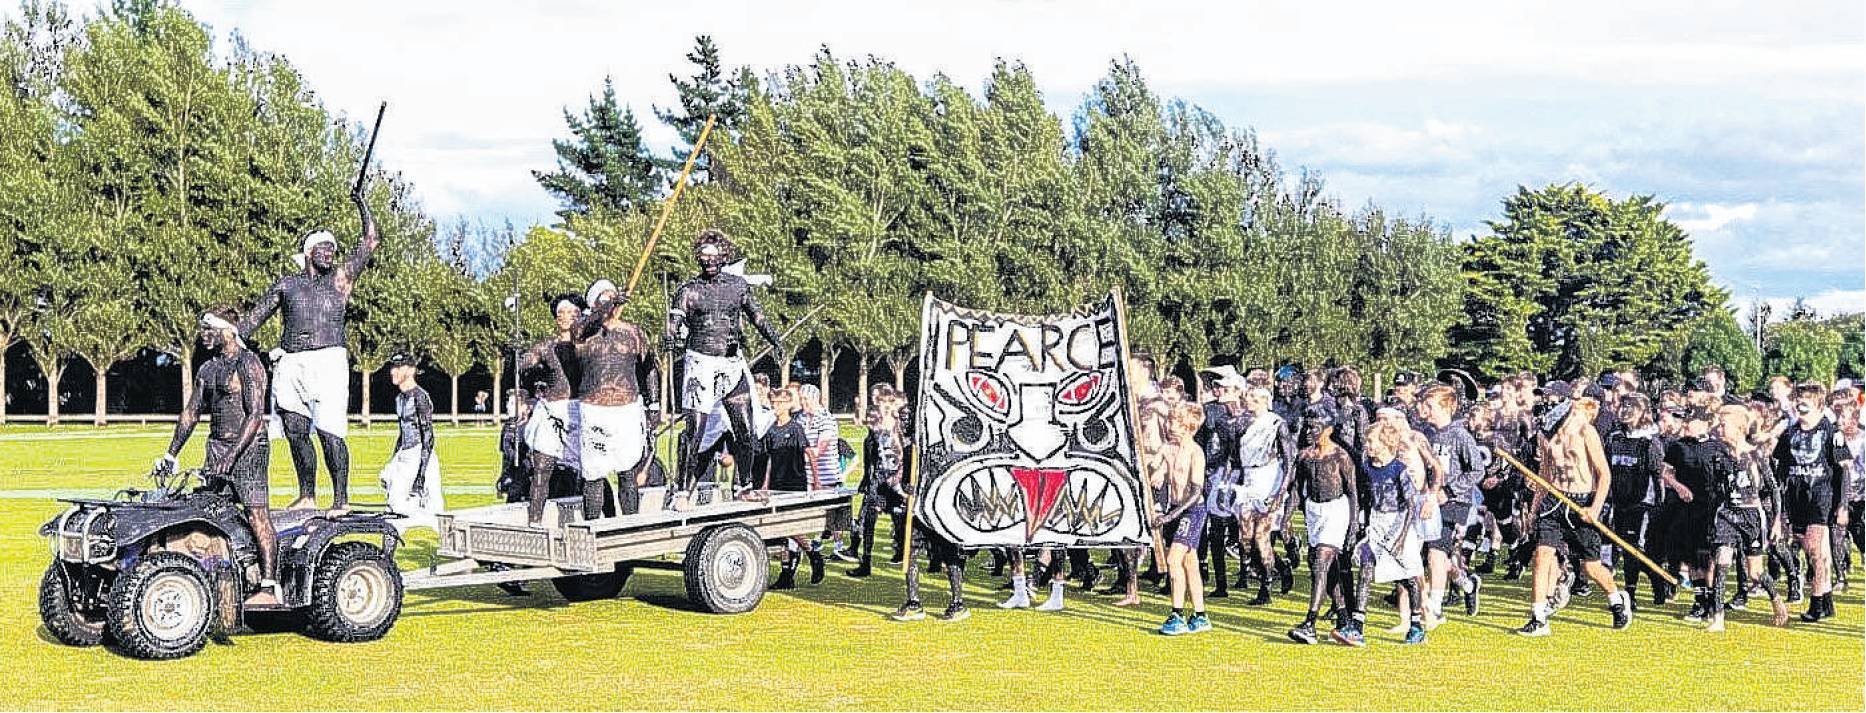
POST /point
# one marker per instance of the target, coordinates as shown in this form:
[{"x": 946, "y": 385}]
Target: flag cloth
[{"x": 1025, "y": 429}]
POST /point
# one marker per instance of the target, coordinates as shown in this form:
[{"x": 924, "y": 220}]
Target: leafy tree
[
  {"x": 1571, "y": 281},
  {"x": 604, "y": 166},
  {"x": 709, "y": 92},
  {"x": 1804, "y": 350},
  {"x": 1852, "y": 329},
  {"x": 1718, "y": 339}
]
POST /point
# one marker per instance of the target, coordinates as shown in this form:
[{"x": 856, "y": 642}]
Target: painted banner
[{"x": 1025, "y": 429}]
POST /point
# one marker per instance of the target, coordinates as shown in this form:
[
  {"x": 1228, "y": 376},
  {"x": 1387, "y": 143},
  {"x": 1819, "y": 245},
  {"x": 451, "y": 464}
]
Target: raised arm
[
  {"x": 268, "y": 303},
  {"x": 372, "y": 239},
  {"x": 591, "y": 322}
]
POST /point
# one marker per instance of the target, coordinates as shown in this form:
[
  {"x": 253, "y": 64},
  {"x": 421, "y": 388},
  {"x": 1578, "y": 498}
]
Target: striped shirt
[{"x": 820, "y": 429}]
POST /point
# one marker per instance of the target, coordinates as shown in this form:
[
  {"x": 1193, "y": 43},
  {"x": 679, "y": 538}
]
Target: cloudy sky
[{"x": 1747, "y": 118}]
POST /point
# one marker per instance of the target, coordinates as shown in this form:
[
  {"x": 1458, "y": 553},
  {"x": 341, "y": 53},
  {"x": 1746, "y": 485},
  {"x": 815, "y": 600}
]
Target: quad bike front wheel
[
  {"x": 162, "y": 607},
  {"x": 67, "y": 621}
]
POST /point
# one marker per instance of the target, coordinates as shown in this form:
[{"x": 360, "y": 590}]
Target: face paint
[
  {"x": 1311, "y": 433},
  {"x": 1553, "y": 416}
]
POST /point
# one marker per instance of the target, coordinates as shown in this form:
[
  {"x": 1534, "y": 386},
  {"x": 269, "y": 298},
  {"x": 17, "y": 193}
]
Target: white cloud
[
  {"x": 1708, "y": 217},
  {"x": 1826, "y": 304}
]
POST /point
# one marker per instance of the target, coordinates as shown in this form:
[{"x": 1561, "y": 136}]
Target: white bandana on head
[
  {"x": 561, "y": 304},
  {"x": 213, "y": 321},
  {"x": 596, "y": 290},
  {"x": 312, "y": 241}
]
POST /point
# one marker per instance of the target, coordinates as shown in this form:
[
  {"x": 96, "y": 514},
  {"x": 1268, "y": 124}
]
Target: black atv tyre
[
  {"x": 726, "y": 569},
  {"x": 162, "y": 608},
  {"x": 356, "y": 594},
  {"x": 593, "y": 587},
  {"x": 68, "y": 625}
]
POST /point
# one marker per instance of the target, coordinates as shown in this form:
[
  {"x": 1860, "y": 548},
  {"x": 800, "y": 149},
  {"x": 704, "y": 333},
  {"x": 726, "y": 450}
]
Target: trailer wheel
[
  {"x": 68, "y": 624},
  {"x": 162, "y": 607},
  {"x": 593, "y": 587},
  {"x": 726, "y": 569},
  {"x": 356, "y": 594}
]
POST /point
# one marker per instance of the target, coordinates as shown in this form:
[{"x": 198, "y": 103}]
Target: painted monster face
[{"x": 1028, "y": 438}]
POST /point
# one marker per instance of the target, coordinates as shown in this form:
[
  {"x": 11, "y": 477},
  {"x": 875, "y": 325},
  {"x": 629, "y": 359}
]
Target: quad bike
[{"x": 156, "y": 572}]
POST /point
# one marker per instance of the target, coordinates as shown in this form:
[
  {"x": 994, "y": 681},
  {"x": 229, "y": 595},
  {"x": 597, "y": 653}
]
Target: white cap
[
  {"x": 596, "y": 290},
  {"x": 312, "y": 241}
]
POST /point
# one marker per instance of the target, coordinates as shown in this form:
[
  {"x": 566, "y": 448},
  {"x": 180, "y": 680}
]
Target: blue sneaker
[
  {"x": 1199, "y": 624},
  {"x": 1415, "y": 635},
  {"x": 1174, "y": 626}
]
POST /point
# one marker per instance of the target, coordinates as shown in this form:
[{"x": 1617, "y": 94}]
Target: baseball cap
[{"x": 1556, "y": 388}]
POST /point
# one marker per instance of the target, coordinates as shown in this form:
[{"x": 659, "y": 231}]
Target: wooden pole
[
  {"x": 668, "y": 207},
  {"x": 913, "y": 459},
  {"x": 1604, "y": 530},
  {"x": 1133, "y": 415}
]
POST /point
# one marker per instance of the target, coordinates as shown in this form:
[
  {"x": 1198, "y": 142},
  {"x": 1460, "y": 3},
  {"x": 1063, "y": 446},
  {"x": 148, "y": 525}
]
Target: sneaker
[
  {"x": 956, "y": 612},
  {"x": 1349, "y": 635},
  {"x": 1304, "y": 633},
  {"x": 846, "y": 555},
  {"x": 1199, "y": 624},
  {"x": 1262, "y": 598},
  {"x": 1697, "y": 612},
  {"x": 1739, "y": 602},
  {"x": 1535, "y": 627},
  {"x": 1219, "y": 593},
  {"x": 1470, "y": 596},
  {"x": 1513, "y": 572},
  {"x": 1415, "y": 635},
  {"x": 1174, "y": 626},
  {"x": 861, "y": 571},
  {"x": 1794, "y": 590},
  {"x": 1583, "y": 589},
  {"x": 1622, "y": 615},
  {"x": 911, "y": 611},
  {"x": 1489, "y": 564}
]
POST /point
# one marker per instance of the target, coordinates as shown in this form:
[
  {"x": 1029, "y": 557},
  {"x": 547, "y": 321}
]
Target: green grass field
[{"x": 831, "y": 646}]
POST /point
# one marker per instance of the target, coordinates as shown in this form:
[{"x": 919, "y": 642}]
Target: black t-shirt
[
  {"x": 1695, "y": 464},
  {"x": 784, "y": 445}
]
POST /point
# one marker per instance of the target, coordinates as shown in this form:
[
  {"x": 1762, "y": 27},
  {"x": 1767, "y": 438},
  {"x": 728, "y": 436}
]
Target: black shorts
[
  {"x": 1738, "y": 527},
  {"x": 1633, "y": 523},
  {"x": 1808, "y": 504},
  {"x": 1562, "y": 528},
  {"x": 1452, "y": 516},
  {"x": 939, "y": 550},
  {"x": 248, "y": 476}
]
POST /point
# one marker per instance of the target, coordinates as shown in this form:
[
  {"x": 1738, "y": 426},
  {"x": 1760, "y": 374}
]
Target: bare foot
[
  {"x": 1781, "y": 612},
  {"x": 264, "y": 598},
  {"x": 305, "y": 503},
  {"x": 339, "y": 509},
  {"x": 1716, "y": 624},
  {"x": 1402, "y": 628},
  {"x": 1128, "y": 601}
]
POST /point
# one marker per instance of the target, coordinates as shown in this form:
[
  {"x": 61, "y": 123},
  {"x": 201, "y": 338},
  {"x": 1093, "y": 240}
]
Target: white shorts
[
  {"x": 548, "y": 429},
  {"x": 610, "y": 439},
  {"x": 707, "y": 379},
  {"x": 1327, "y": 522},
  {"x": 315, "y": 384},
  {"x": 1402, "y": 562},
  {"x": 398, "y": 482},
  {"x": 1257, "y": 487},
  {"x": 718, "y": 424}
]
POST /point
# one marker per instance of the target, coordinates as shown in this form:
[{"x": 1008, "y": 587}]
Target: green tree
[
  {"x": 1571, "y": 281},
  {"x": 709, "y": 92},
  {"x": 604, "y": 166},
  {"x": 1852, "y": 329},
  {"x": 1718, "y": 339},
  {"x": 1803, "y": 350}
]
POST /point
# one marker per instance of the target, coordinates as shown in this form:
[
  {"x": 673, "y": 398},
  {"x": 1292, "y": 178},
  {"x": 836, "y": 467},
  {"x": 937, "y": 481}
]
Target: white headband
[
  {"x": 312, "y": 241},
  {"x": 214, "y": 321},
  {"x": 597, "y": 289},
  {"x": 565, "y": 303}
]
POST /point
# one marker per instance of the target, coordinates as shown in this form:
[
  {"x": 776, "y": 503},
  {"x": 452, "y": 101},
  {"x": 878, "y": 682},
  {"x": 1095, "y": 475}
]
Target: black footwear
[
  {"x": 1818, "y": 608},
  {"x": 1535, "y": 627},
  {"x": 1091, "y": 578},
  {"x": 1262, "y": 598},
  {"x": 1219, "y": 593},
  {"x": 1698, "y": 610},
  {"x": 1581, "y": 588},
  {"x": 787, "y": 579},
  {"x": 955, "y": 612},
  {"x": 1490, "y": 563},
  {"x": 861, "y": 570},
  {"x": 1470, "y": 596},
  {"x": 1661, "y": 593},
  {"x": 1513, "y": 572},
  {"x": 1286, "y": 576},
  {"x": 1243, "y": 580},
  {"x": 1740, "y": 602},
  {"x": 1304, "y": 633},
  {"x": 1622, "y": 618},
  {"x": 816, "y": 567},
  {"x": 1794, "y": 590}
]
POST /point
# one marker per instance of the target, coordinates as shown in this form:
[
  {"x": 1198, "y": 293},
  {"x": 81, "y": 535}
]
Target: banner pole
[
  {"x": 1133, "y": 415},
  {"x": 913, "y": 459}
]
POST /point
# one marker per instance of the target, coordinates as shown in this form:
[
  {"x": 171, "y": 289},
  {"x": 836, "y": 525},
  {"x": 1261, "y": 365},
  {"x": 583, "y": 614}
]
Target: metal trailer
[{"x": 723, "y": 546}]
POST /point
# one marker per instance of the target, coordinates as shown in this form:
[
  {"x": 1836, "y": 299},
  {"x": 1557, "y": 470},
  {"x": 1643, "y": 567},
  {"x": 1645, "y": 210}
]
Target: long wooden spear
[
  {"x": 1133, "y": 415},
  {"x": 1604, "y": 530},
  {"x": 668, "y": 206}
]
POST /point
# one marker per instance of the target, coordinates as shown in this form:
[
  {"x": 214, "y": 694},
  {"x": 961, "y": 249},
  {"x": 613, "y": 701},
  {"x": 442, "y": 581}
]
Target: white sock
[{"x": 1539, "y": 612}]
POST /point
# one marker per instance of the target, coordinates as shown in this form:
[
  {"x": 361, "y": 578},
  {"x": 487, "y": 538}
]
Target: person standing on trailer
[
  {"x": 617, "y": 398},
  {"x": 412, "y": 479}
]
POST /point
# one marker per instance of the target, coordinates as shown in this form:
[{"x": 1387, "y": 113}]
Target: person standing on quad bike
[
  {"x": 312, "y": 375},
  {"x": 232, "y": 387}
]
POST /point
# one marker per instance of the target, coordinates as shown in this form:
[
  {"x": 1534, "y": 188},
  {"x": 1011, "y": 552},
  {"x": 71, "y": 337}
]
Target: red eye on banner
[
  {"x": 1077, "y": 391},
  {"x": 990, "y": 391}
]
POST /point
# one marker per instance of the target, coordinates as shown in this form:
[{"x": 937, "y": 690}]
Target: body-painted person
[
  {"x": 618, "y": 392},
  {"x": 549, "y": 368},
  {"x": 412, "y": 477},
  {"x": 704, "y": 318},
  {"x": 311, "y": 379},
  {"x": 231, "y": 387}
]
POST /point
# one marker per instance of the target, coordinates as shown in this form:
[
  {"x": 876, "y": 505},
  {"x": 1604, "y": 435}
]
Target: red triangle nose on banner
[{"x": 1041, "y": 488}]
